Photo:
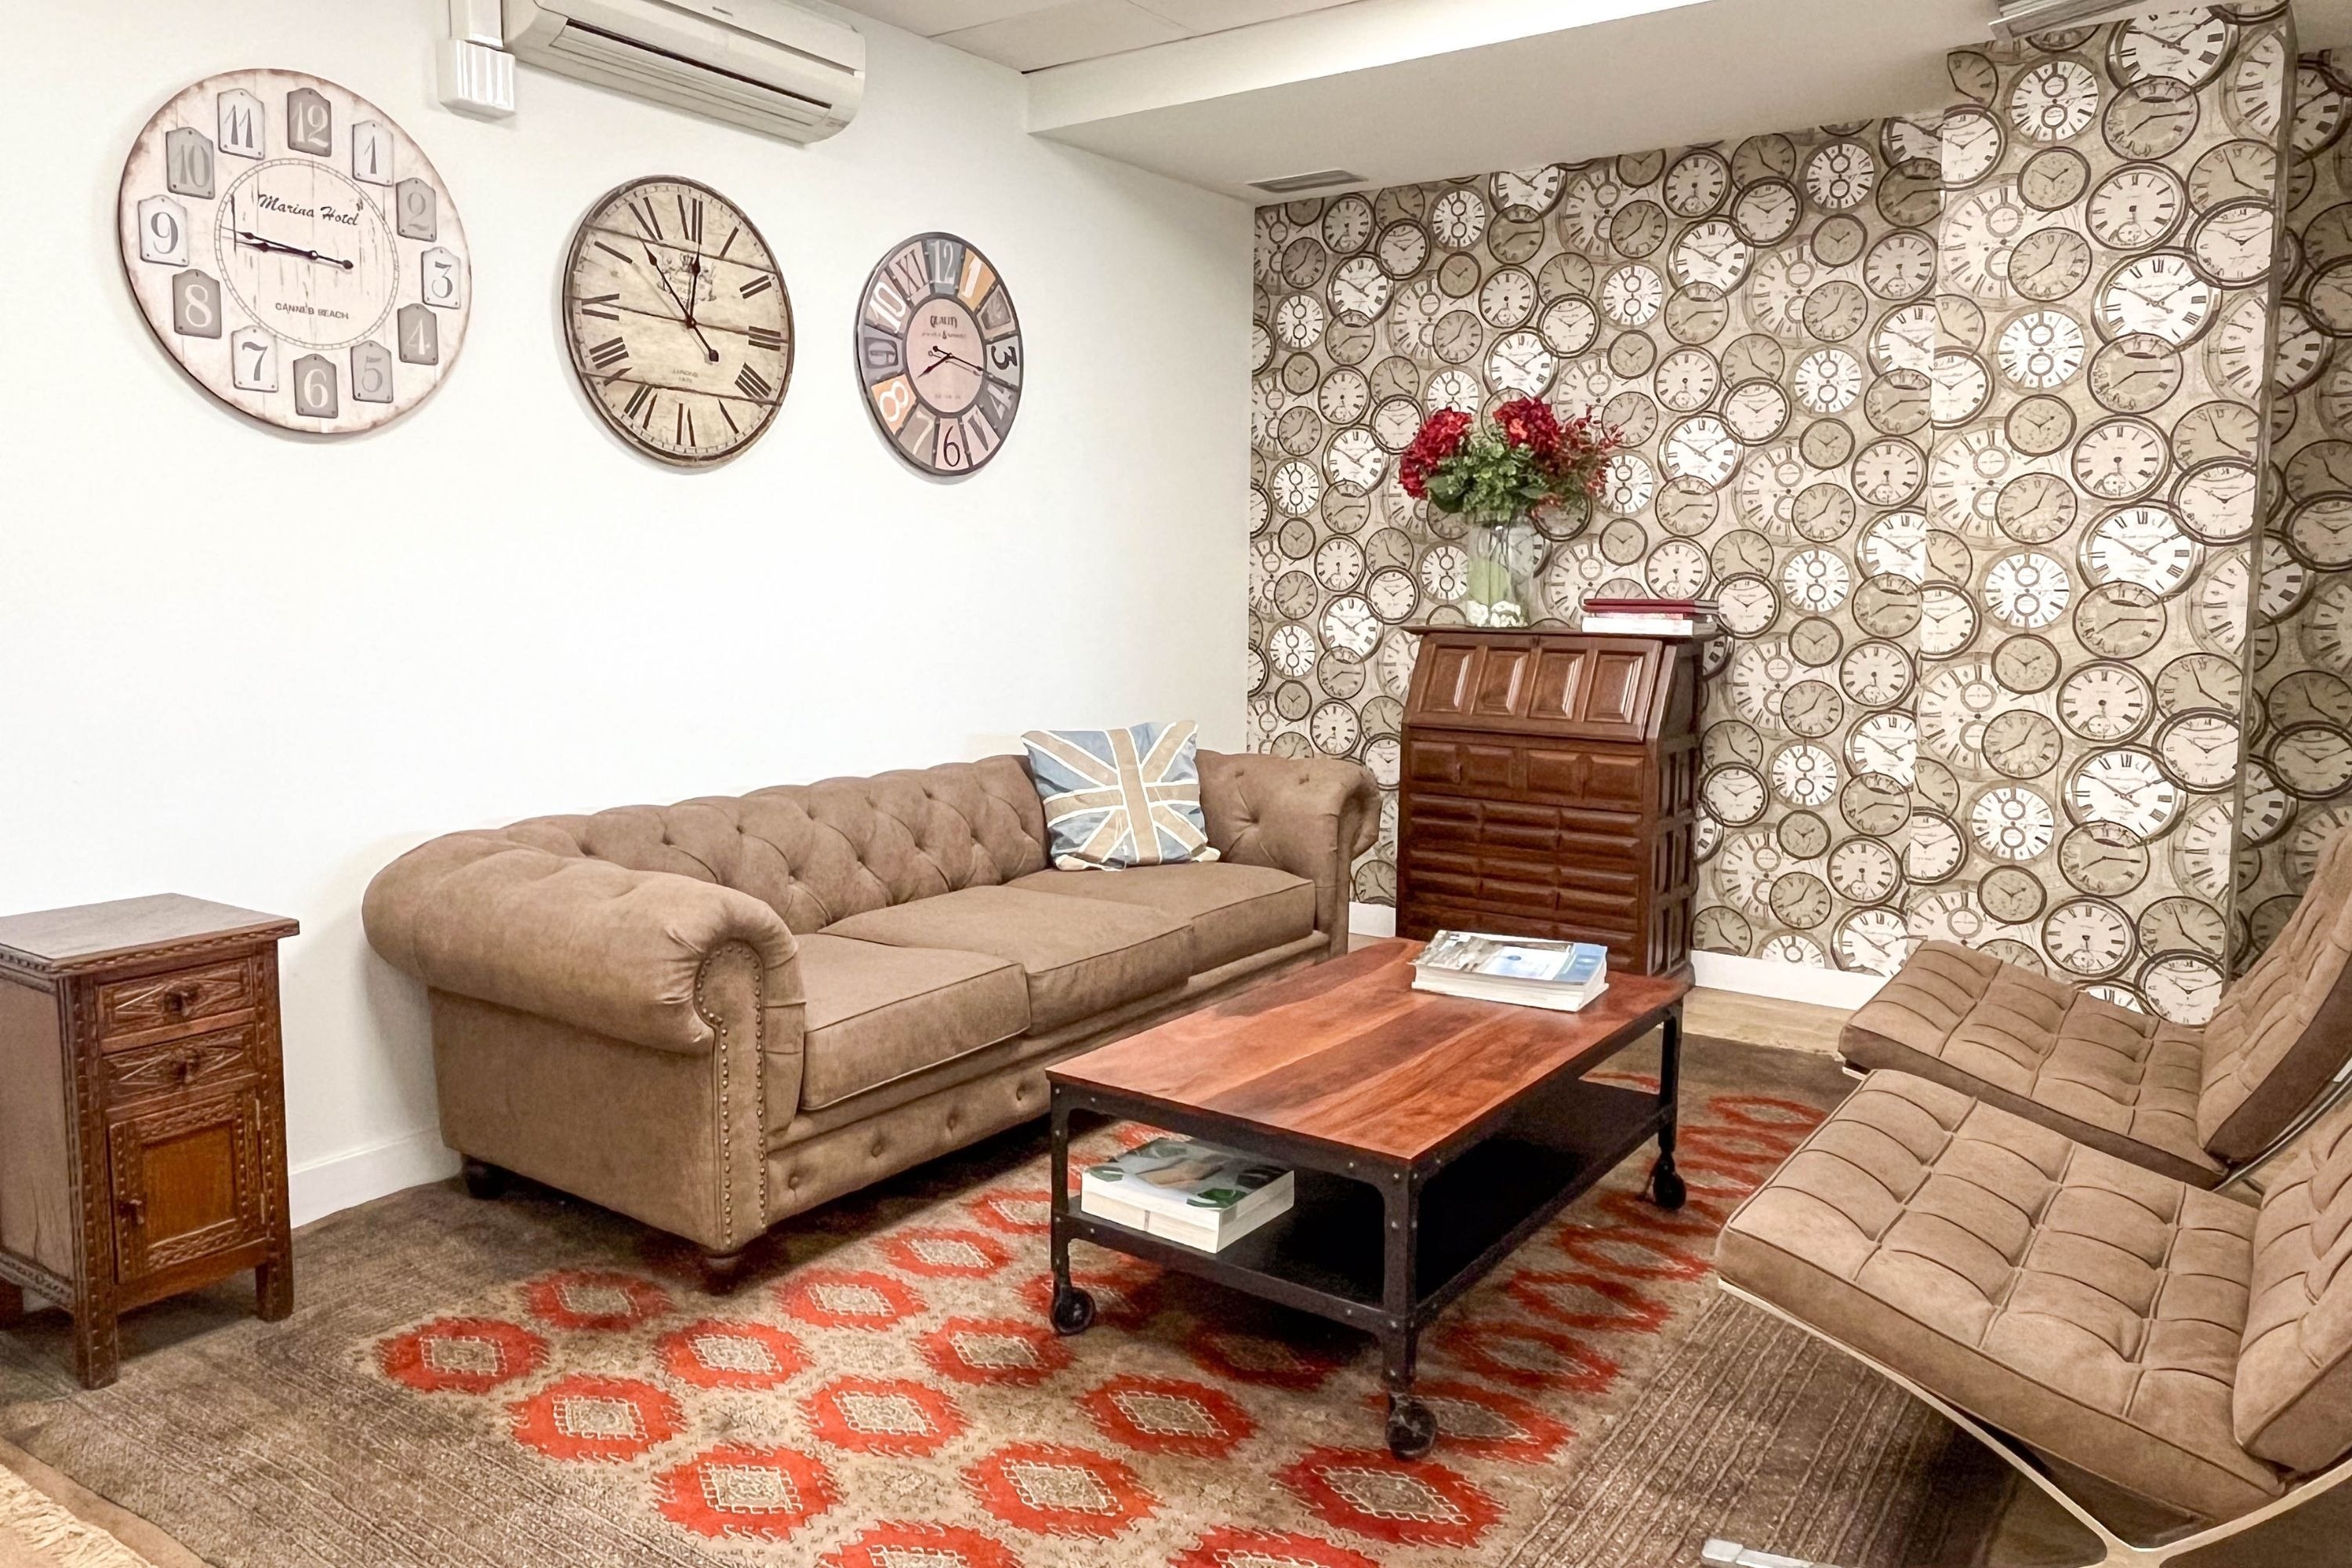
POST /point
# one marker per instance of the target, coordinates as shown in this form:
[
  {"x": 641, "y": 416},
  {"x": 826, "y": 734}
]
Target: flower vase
[{"x": 1500, "y": 587}]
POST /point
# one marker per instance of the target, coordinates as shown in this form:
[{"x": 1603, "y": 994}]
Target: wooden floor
[{"x": 1751, "y": 1020}]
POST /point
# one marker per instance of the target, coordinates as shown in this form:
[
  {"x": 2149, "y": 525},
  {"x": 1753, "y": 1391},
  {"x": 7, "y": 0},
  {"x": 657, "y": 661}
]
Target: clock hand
[
  {"x": 684, "y": 313},
  {"x": 257, "y": 242},
  {"x": 941, "y": 356}
]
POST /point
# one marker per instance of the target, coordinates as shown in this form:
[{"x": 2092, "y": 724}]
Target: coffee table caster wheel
[
  {"x": 1412, "y": 1430},
  {"x": 1073, "y": 1310},
  {"x": 1666, "y": 1186}
]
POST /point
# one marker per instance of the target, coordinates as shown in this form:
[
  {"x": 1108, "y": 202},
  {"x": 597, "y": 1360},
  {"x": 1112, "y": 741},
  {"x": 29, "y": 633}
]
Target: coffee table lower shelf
[{"x": 1380, "y": 1245}]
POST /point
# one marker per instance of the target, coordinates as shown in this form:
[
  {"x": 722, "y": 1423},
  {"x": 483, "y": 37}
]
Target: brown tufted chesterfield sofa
[
  {"x": 2129, "y": 1329},
  {"x": 2201, "y": 1105},
  {"x": 715, "y": 1015}
]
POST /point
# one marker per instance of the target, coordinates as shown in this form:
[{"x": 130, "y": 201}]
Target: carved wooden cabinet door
[{"x": 187, "y": 1182}]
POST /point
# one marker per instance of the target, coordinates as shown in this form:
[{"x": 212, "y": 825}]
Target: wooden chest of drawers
[
  {"x": 1550, "y": 788},
  {"x": 142, "y": 1134}
]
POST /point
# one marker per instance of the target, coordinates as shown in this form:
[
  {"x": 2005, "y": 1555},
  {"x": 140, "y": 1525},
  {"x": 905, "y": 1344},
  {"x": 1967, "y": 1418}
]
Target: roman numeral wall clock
[
  {"x": 679, "y": 325},
  {"x": 295, "y": 252},
  {"x": 940, "y": 354}
]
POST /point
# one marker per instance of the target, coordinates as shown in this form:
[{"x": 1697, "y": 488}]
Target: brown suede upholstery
[
  {"x": 2284, "y": 1027},
  {"x": 2293, "y": 1398},
  {"x": 1080, "y": 956},
  {"x": 1264, "y": 810},
  {"x": 877, "y": 1013},
  {"x": 1234, "y": 910},
  {"x": 2090, "y": 1308},
  {"x": 2121, "y": 1082},
  {"x": 622, "y": 1008}
]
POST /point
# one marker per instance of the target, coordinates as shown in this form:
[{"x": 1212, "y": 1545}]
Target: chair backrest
[
  {"x": 818, "y": 853},
  {"x": 2293, "y": 1403},
  {"x": 2284, "y": 1028}
]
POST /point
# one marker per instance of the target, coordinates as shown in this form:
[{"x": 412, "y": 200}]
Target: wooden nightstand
[{"x": 143, "y": 1133}]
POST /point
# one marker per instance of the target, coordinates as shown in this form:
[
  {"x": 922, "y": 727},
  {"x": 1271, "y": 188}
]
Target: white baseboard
[
  {"x": 321, "y": 1187},
  {"x": 1786, "y": 982},
  {"x": 1371, "y": 920}
]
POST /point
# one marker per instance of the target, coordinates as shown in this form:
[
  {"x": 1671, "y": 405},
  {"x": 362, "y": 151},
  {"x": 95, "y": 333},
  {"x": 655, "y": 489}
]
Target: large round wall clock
[
  {"x": 680, "y": 326},
  {"x": 295, "y": 252},
  {"x": 940, "y": 353}
]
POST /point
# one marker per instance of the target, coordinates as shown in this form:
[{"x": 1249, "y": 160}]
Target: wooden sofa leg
[
  {"x": 482, "y": 1179},
  {"x": 723, "y": 1272}
]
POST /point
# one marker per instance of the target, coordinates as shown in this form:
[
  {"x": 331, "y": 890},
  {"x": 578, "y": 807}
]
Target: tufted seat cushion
[
  {"x": 2293, "y": 1400},
  {"x": 2088, "y": 1306},
  {"x": 1079, "y": 956},
  {"x": 2121, "y": 1082},
  {"x": 877, "y": 1014},
  {"x": 1233, "y": 911}
]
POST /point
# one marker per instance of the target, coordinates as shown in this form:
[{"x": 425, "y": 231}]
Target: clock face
[
  {"x": 940, "y": 354},
  {"x": 295, "y": 252},
  {"x": 679, "y": 327}
]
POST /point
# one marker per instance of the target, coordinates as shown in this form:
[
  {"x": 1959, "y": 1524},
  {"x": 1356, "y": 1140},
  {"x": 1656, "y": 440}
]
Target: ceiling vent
[
  {"x": 2022, "y": 19},
  {"x": 1293, "y": 185}
]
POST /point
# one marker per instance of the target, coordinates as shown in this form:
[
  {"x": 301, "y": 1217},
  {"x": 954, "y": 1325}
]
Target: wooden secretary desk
[{"x": 1550, "y": 788}]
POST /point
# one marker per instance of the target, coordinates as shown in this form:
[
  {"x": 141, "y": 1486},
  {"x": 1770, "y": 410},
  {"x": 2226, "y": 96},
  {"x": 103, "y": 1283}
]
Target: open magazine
[{"x": 1528, "y": 971}]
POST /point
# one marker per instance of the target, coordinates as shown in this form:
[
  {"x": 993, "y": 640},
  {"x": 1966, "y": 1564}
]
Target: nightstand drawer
[
  {"x": 193, "y": 1065},
  {"x": 182, "y": 1000}
]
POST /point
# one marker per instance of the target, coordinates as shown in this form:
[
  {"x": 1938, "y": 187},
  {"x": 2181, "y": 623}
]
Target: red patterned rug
[
  {"x": 901, "y": 1400},
  {"x": 536, "y": 1384}
]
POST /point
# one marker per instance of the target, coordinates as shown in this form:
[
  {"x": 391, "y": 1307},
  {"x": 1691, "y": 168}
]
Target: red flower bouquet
[{"x": 1520, "y": 461}]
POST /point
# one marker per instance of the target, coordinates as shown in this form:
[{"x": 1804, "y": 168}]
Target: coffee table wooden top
[{"x": 1346, "y": 1052}]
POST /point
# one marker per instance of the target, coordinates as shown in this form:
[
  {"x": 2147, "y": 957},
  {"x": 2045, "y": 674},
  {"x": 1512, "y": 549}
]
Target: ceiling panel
[
  {"x": 1215, "y": 16},
  {"x": 930, "y": 18},
  {"x": 1075, "y": 30}
]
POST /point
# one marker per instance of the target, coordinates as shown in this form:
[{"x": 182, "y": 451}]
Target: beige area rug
[{"x": 536, "y": 1384}]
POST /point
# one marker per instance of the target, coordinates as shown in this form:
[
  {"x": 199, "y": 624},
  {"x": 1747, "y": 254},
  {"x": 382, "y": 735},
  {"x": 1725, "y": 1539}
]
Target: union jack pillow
[{"x": 1116, "y": 798}]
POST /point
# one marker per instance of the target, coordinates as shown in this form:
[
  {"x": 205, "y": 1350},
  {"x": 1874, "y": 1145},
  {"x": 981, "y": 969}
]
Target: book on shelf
[
  {"x": 1527, "y": 972},
  {"x": 1654, "y": 617},
  {"x": 1195, "y": 1195},
  {"x": 1652, "y": 625}
]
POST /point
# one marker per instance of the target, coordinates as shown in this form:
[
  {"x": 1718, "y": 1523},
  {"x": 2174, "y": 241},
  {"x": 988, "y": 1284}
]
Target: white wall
[{"x": 254, "y": 668}]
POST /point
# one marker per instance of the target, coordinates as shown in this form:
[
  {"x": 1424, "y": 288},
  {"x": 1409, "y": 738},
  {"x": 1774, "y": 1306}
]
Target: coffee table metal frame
[{"x": 1381, "y": 1244}]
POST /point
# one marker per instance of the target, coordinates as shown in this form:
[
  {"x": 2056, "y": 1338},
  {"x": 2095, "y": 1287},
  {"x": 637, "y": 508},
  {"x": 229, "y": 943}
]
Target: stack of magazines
[
  {"x": 1528, "y": 972},
  {"x": 1654, "y": 617},
  {"x": 1196, "y": 1194}
]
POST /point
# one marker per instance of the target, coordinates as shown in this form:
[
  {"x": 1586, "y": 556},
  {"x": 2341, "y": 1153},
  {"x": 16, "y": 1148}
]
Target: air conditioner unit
[{"x": 767, "y": 65}]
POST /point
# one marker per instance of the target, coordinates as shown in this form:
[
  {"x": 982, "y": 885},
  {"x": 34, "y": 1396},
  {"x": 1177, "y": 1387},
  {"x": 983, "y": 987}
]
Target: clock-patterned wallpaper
[
  {"x": 2298, "y": 784},
  {"x": 1961, "y": 416}
]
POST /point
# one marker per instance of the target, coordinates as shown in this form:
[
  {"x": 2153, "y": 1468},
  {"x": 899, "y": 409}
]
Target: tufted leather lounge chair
[
  {"x": 2083, "y": 1315},
  {"x": 2201, "y": 1105}
]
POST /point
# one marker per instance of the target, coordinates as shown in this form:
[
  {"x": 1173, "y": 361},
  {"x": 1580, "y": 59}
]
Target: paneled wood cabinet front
[
  {"x": 142, "y": 1138},
  {"x": 1550, "y": 788}
]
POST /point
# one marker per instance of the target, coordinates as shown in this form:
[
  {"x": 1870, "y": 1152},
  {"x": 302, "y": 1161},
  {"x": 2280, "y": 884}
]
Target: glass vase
[{"x": 1499, "y": 584}]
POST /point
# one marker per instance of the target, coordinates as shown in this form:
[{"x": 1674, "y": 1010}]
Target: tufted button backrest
[
  {"x": 2293, "y": 1404},
  {"x": 817, "y": 853},
  {"x": 2284, "y": 1028}
]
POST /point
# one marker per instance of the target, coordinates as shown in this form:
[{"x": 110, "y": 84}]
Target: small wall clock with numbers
[
  {"x": 295, "y": 252},
  {"x": 680, "y": 324},
  {"x": 940, "y": 354}
]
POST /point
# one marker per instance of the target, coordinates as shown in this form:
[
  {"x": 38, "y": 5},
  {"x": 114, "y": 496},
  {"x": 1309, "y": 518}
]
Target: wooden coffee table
[{"x": 1430, "y": 1136}]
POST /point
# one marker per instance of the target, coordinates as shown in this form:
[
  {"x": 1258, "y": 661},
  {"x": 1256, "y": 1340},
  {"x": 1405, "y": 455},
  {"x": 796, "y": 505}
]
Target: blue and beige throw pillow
[{"x": 1116, "y": 798}]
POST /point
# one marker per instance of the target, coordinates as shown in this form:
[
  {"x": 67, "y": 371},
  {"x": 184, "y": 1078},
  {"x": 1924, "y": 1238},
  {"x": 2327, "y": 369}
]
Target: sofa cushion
[
  {"x": 2121, "y": 1082},
  {"x": 877, "y": 1013},
  {"x": 2294, "y": 1394},
  {"x": 2284, "y": 1027},
  {"x": 1079, "y": 955},
  {"x": 1234, "y": 910},
  {"x": 1120, "y": 797},
  {"x": 2088, "y": 1306}
]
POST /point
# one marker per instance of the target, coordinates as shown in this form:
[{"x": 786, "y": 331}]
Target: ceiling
[
  {"x": 1226, "y": 93},
  {"x": 1030, "y": 34}
]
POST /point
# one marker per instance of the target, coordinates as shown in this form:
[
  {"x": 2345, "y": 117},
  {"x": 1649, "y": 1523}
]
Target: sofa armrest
[
  {"x": 1308, "y": 816},
  {"x": 585, "y": 943}
]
